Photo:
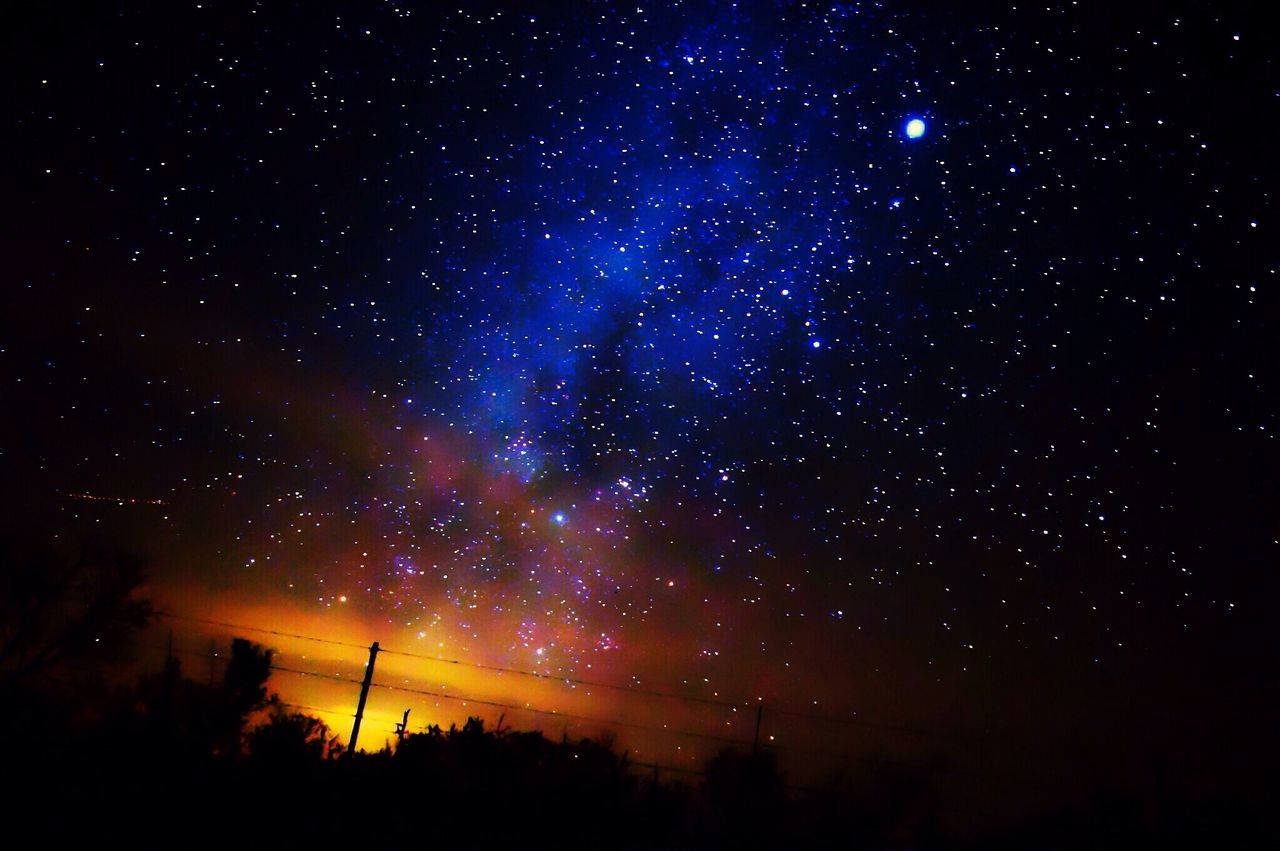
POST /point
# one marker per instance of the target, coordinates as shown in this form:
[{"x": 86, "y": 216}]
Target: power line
[
  {"x": 263, "y": 630},
  {"x": 480, "y": 701},
  {"x": 339, "y": 677},
  {"x": 465, "y": 699},
  {"x": 829, "y": 719},
  {"x": 773, "y": 745},
  {"x": 571, "y": 680},
  {"x": 307, "y": 708},
  {"x": 460, "y": 698},
  {"x": 446, "y": 660},
  {"x": 201, "y": 655}
]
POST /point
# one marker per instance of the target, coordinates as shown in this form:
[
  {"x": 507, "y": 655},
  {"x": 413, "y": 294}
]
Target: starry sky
[{"x": 870, "y": 359}]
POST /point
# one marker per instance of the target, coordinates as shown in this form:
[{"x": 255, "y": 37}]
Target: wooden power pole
[
  {"x": 402, "y": 728},
  {"x": 755, "y": 741},
  {"x": 364, "y": 695}
]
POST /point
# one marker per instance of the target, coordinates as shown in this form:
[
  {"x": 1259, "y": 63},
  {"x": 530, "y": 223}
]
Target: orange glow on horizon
[{"x": 458, "y": 688}]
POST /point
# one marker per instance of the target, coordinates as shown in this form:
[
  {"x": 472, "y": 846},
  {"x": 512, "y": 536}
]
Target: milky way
[{"x": 827, "y": 352}]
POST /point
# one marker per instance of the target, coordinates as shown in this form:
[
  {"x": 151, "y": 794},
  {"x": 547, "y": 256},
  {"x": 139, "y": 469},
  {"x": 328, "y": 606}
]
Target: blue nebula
[
  {"x": 621, "y": 302},
  {"x": 914, "y": 128}
]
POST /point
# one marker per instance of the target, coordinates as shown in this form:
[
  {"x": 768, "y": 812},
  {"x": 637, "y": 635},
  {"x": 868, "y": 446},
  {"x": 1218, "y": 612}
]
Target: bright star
[{"x": 914, "y": 128}]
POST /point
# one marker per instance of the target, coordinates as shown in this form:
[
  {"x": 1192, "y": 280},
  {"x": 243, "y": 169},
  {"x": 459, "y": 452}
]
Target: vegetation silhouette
[
  {"x": 167, "y": 760},
  {"x": 292, "y": 741},
  {"x": 63, "y": 616}
]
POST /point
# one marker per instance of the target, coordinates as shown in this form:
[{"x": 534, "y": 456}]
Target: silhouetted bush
[
  {"x": 292, "y": 739},
  {"x": 174, "y": 762}
]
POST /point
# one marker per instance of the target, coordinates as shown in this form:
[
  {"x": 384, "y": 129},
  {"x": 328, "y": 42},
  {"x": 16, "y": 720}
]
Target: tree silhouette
[
  {"x": 243, "y": 691},
  {"x": 292, "y": 739},
  {"x": 245, "y": 680},
  {"x": 59, "y": 612},
  {"x": 178, "y": 715}
]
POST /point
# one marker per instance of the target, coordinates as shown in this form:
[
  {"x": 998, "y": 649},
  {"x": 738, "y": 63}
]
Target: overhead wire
[
  {"x": 460, "y": 698},
  {"x": 794, "y": 713},
  {"x": 465, "y": 699}
]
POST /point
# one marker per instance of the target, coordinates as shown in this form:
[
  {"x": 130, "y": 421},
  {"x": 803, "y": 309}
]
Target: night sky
[{"x": 883, "y": 362}]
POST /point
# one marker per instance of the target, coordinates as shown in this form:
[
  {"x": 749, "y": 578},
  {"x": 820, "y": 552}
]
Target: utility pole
[
  {"x": 755, "y": 742},
  {"x": 364, "y": 695},
  {"x": 402, "y": 729}
]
